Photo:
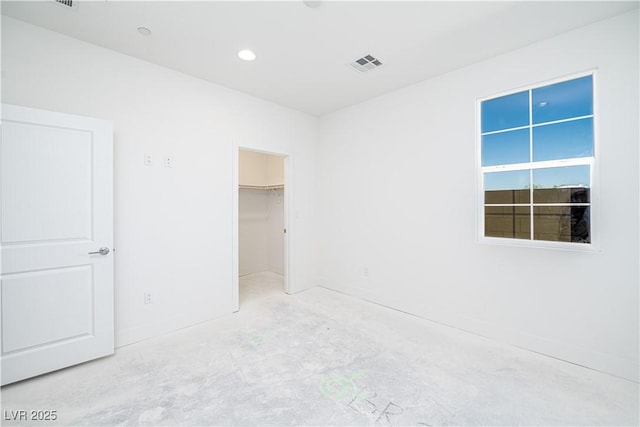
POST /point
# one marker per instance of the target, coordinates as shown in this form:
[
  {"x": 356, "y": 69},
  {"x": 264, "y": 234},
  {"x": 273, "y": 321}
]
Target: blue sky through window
[
  {"x": 570, "y": 176},
  {"x": 572, "y": 98},
  {"x": 505, "y": 148},
  {"x": 511, "y": 180},
  {"x": 505, "y": 112},
  {"x": 565, "y": 140}
]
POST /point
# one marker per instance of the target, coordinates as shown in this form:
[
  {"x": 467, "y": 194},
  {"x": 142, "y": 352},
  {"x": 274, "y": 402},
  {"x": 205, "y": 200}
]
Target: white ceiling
[{"x": 302, "y": 52}]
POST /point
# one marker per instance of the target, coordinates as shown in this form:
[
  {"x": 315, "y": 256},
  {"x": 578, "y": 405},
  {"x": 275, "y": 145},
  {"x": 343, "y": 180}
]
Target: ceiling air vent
[
  {"x": 66, "y": 3},
  {"x": 365, "y": 63}
]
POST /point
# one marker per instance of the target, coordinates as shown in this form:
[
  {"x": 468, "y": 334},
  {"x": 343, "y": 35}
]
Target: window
[{"x": 536, "y": 163}]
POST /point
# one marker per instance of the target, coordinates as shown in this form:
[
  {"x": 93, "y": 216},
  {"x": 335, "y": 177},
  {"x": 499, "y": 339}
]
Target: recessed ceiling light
[
  {"x": 144, "y": 31},
  {"x": 313, "y": 4},
  {"x": 247, "y": 55}
]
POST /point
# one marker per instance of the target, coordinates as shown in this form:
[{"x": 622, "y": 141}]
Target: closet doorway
[{"x": 261, "y": 225}]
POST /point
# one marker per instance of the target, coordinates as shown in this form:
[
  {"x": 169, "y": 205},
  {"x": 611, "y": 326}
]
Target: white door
[{"x": 57, "y": 213}]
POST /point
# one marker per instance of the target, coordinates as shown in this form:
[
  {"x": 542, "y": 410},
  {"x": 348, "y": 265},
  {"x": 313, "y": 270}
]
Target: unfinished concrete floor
[{"x": 322, "y": 358}]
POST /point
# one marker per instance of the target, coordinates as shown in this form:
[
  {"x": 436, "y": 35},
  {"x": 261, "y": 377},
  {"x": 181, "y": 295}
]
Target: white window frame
[{"x": 592, "y": 162}]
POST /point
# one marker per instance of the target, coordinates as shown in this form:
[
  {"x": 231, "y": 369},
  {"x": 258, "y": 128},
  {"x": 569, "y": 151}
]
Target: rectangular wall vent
[
  {"x": 366, "y": 63},
  {"x": 66, "y": 3}
]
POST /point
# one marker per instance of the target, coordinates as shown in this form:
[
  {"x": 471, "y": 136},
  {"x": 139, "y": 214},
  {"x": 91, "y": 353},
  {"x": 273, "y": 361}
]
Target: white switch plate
[
  {"x": 148, "y": 160},
  {"x": 168, "y": 162}
]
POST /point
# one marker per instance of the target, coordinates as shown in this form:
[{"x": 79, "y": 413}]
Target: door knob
[{"x": 102, "y": 251}]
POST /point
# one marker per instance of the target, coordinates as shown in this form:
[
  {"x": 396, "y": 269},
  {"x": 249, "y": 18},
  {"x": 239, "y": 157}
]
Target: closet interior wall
[{"x": 261, "y": 213}]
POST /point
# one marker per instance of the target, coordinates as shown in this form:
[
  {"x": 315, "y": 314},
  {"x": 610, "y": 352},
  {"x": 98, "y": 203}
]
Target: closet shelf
[{"x": 261, "y": 187}]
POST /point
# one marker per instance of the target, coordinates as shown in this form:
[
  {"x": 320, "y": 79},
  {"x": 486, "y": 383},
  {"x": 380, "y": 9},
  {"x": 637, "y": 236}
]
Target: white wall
[
  {"x": 275, "y": 170},
  {"x": 173, "y": 227},
  {"x": 252, "y": 168},
  {"x": 260, "y": 231},
  {"x": 260, "y": 169},
  {"x": 397, "y": 194},
  {"x": 275, "y": 230},
  {"x": 253, "y": 236},
  {"x": 260, "y": 213}
]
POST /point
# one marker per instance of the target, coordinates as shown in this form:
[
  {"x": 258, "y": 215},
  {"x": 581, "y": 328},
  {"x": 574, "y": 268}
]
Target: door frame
[{"x": 289, "y": 253}]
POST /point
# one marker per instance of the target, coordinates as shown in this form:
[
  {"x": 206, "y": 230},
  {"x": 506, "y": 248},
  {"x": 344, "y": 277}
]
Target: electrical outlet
[
  {"x": 148, "y": 160},
  {"x": 148, "y": 298}
]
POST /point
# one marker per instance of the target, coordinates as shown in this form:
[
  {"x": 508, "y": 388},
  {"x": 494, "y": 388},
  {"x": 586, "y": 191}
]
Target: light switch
[{"x": 168, "y": 162}]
